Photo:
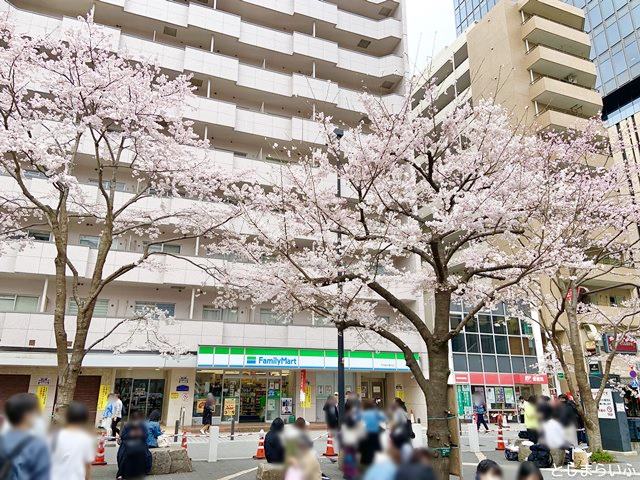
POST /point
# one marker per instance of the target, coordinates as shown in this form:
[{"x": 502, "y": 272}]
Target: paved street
[{"x": 236, "y": 462}]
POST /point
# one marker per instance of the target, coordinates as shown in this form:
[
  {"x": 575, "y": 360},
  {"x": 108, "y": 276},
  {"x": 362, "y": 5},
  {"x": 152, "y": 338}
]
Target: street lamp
[{"x": 341, "y": 393}]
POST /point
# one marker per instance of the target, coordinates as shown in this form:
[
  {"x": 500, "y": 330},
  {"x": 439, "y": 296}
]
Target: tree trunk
[{"x": 589, "y": 406}]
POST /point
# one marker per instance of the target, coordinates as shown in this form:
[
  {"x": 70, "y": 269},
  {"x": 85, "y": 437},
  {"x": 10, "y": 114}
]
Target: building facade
[{"x": 262, "y": 69}]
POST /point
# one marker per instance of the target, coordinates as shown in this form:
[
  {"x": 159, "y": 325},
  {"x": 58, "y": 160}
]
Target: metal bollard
[
  {"x": 233, "y": 427},
  {"x": 175, "y": 433},
  {"x": 214, "y": 441}
]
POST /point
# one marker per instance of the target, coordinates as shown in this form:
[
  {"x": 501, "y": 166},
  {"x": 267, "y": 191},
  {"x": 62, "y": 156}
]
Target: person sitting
[
  {"x": 273, "y": 448},
  {"x": 134, "y": 457},
  {"x": 153, "y": 429}
]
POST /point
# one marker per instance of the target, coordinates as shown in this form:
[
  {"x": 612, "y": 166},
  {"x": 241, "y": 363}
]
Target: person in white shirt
[
  {"x": 73, "y": 448},
  {"x": 116, "y": 415}
]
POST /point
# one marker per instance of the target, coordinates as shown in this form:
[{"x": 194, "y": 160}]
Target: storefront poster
[
  {"x": 287, "y": 406},
  {"x": 491, "y": 396},
  {"x": 509, "y": 396},
  {"x": 464, "y": 400},
  {"x": 174, "y": 395},
  {"x": 499, "y": 394},
  {"x": 42, "y": 392},
  {"x": 606, "y": 408},
  {"x": 229, "y": 409},
  {"x": 399, "y": 392},
  {"x": 103, "y": 395}
]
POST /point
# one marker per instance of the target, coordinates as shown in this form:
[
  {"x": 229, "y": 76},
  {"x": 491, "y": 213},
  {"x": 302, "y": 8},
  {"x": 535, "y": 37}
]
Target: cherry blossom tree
[
  {"x": 68, "y": 102},
  {"x": 463, "y": 209}
]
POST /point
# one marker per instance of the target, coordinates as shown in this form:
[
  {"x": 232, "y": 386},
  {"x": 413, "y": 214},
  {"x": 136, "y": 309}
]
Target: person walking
[
  {"x": 373, "y": 419},
  {"x": 331, "y": 415},
  {"x": 23, "y": 454},
  {"x": 481, "y": 410},
  {"x": 521, "y": 403},
  {"x": 72, "y": 447},
  {"x": 207, "y": 414},
  {"x": 116, "y": 415}
]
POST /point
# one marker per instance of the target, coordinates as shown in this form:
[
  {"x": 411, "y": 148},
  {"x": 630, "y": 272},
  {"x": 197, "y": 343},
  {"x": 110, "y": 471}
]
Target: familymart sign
[{"x": 210, "y": 356}]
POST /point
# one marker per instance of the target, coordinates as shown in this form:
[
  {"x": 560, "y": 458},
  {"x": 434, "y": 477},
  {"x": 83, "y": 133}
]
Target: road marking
[
  {"x": 239, "y": 474},
  {"x": 480, "y": 456}
]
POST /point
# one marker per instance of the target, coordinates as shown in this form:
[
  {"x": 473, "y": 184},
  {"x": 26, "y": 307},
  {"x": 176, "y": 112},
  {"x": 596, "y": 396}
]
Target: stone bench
[
  {"x": 270, "y": 471},
  {"x": 168, "y": 460}
]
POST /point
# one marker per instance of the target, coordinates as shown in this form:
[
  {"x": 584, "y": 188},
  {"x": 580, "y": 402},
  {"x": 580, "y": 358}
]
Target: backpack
[
  {"x": 6, "y": 459},
  {"x": 540, "y": 456}
]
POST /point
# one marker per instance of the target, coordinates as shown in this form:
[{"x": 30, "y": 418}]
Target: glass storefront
[
  {"x": 246, "y": 395},
  {"x": 142, "y": 394}
]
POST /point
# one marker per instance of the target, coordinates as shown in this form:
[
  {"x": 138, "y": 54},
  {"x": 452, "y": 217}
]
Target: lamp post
[{"x": 341, "y": 393}]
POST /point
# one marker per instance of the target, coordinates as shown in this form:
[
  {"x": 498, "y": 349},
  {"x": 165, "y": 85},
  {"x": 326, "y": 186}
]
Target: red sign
[
  {"x": 501, "y": 378},
  {"x": 624, "y": 346}
]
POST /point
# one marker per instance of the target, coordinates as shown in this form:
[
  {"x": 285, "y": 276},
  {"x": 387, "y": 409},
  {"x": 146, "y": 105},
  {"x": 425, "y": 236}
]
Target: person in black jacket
[{"x": 273, "y": 448}]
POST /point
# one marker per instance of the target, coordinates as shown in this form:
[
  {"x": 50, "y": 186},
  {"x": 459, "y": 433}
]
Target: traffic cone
[
  {"x": 99, "y": 459},
  {"x": 330, "y": 451},
  {"x": 260, "y": 452},
  {"x": 500, "y": 445},
  {"x": 184, "y": 440}
]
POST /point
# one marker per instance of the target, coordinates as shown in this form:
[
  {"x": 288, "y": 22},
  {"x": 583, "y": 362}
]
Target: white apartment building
[{"x": 261, "y": 68}]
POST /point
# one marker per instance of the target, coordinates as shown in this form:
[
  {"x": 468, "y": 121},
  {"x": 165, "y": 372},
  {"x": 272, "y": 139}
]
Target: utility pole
[{"x": 341, "y": 393}]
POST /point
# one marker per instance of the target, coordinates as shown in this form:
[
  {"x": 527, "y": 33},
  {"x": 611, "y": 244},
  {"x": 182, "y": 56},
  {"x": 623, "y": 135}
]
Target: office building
[{"x": 262, "y": 69}]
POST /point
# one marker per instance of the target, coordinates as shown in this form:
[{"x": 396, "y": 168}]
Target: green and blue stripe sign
[{"x": 210, "y": 356}]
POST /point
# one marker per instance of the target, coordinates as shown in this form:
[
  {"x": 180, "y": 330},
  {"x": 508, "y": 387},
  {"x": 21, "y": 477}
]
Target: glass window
[
  {"x": 269, "y": 317},
  {"x": 515, "y": 345},
  {"x": 227, "y": 315},
  {"x": 529, "y": 346},
  {"x": 90, "y": 241},
  {"x": 531, "y": 364},
  {"x": 632, "y": 53},
  {"x": 39, "y": 236},
  {"x": 513, "y": 326},
  {"x": 607, "y": 8},
  {"x": 606, "y": 70},
  {"x": 472, "y": 343},
  {"x": 169, "y": 309},
  {"x": 489, "y": 363},
  {"x": 635, "y": 14},
  {"x": 619, "y": 63},
  {"x": 472, "y": 325},
  {"x": 518, "y": 364},
  {"x": 455, "y": 320},
  {"x": 460, "y": 363},
  {"x": 504, "y": 364},
  {"x": 594, "y": 16},
  {"x": 458, "y": 343},
  {"x": 625, "y": 24},
  {"x": 26, "y": 303},
  {"x": 100, "y": 310},
  {"x": 484, "y": 321},
  {"x": 499, "y": 325},
  {"x": 165, "y": 247},
  {"x": 502, "y": 344},
  {"x": 613, "y": 34},
  {"x": 475, "y": 363},
  {"x": 600, "y": 43},
  {"x": 486, "y": 342},
  {"x": 7, "y": 303}
]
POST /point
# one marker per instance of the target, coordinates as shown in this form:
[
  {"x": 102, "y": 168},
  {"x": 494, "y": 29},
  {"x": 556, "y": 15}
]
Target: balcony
[
  {"x": 541, "y": 31},
  {"x": 556, "y": 94},
  {"x": 555, "y": 9},
  {"x": 549, "y": 62},
  {"x": 560, "y": 121}
]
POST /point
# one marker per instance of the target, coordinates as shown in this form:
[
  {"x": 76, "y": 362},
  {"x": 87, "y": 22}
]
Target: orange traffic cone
[
  {"x": 500, "y": 445},
  {"x": 99, "y": 459},
  {"x": 184, "y": 440},
  {"x": 330, "y": 451},
  {"x": 260, "y": 452}
]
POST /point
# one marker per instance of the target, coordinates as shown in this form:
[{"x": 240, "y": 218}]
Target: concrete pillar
[
  {"x": 192, "y": 304},
  {"x": 43, "y": 299},
  {"x": 179, "y": 395}
]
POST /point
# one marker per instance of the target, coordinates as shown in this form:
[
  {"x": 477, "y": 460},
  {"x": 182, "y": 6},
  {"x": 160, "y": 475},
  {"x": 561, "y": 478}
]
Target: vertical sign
[
  {"x": 42, "y": 391},
  {"x": 303, "y": 387},
  {"x": 102, "y": 396}
]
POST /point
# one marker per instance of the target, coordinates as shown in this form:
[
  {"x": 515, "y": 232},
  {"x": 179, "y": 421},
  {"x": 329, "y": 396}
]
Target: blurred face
[{"x": 490, "y": 475}]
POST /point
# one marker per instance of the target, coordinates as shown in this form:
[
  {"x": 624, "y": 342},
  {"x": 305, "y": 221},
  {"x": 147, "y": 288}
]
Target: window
[
  {"x": 119, "y": 186},
  {"x": 100, "y": 310},
  {"x": 169, "y": 309},
  {"x": 472, "y": 343},
  {"x": 269, "y": 317},
  {"x": 489, "y": 363},
  {"x": 18, "y": 303},
  {"x": 600, "y": 43},
  {"x": 318, "y": 320},
  {"x": 164, "y": 247},
  {"x": 606, "y": 70},
  {"x": 227, "y": 315},
  {"x": 33, "y": 174},
  {"x": 485, "y": 323},
  {"x": 513, "y": 326},
  {"x": 39, "y": 236},
  {"x": 518, "y": 364},
  {"x": 90, "y": 241},
  {"x": 619, "y": 63},
  {"x": 504, "y": 364},
  {"x": 458, "y": 344},
  {"x": 475, "y": 363},
  {"x": 515, "y": 345},
  {"x": 502, "y": 345},
  {"x": 626, "y": 27},
  {"x": 460, "y": 363},
  {"x": 632, "y": 53},
  {"x": 486, "y": 341}
]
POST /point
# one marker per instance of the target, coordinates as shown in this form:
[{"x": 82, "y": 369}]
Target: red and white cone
[
  {"x": 500, "y": 444},
  {"x": 99, "y": 459},
  {"x": 184, "y": 440},
  {"x": 260, "y": 452},
  {"x": 330, "y": 452}
]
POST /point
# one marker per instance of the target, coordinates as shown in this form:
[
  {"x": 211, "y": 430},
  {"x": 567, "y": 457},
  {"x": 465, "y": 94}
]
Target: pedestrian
[
  {"x": 301, "y": 459},
  {"x": 352, "y": 433},
  {"x": 529, "y": 471},
  {"x": 207, "y": 414},
  {"x": 273, "y": 447},
  {"x": 553, "y": 434},
  {"x": 23, "y": 453},
  {"x": 569, "y": 418},
  {"x": 331, "y": 415},
  {"x": 116, "y": 415},
  {"x": 373, "y": 420},
  {"x": 531, "y": 418},
  {"x": 387, "y": 467},
  {"x": 107, "y": 416},
  {"x": 401, "y": 424},
  {"x": 488, "y": 470},
  {"x": 153, "y": 429},
  {"x": 134, "y": 457},
  {"x": 521, "y": 404},
  {"x": 72, "y": 447},
  {"x": 481, "y": 410}
]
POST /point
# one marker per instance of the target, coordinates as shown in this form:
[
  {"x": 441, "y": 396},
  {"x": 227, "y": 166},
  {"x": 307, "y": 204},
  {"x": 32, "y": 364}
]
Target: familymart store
[{"x": 258, "y": 384}]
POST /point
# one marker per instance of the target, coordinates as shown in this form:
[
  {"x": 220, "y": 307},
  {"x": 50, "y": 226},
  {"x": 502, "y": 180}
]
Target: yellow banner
[
  {"x": 307, "y": 397},
  {"x": 42, "y": 392},
  {"x": 102, "y": 397}
]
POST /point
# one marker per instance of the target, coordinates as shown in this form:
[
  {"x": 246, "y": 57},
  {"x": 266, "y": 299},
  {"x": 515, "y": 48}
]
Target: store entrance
[
  {"x": 141, "y": 394},
  {"x": 374, "y": 389},
  {"x": 253, "y": 399}
]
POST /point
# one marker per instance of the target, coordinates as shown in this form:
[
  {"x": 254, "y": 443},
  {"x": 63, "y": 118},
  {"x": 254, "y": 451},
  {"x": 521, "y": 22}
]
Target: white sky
[{"x": 431, "y": 27}]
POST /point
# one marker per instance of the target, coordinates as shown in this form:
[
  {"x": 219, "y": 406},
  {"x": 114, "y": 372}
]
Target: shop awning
[
  {"x": 214, "y": 356},
  {"x": 461, "y": 378}
]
